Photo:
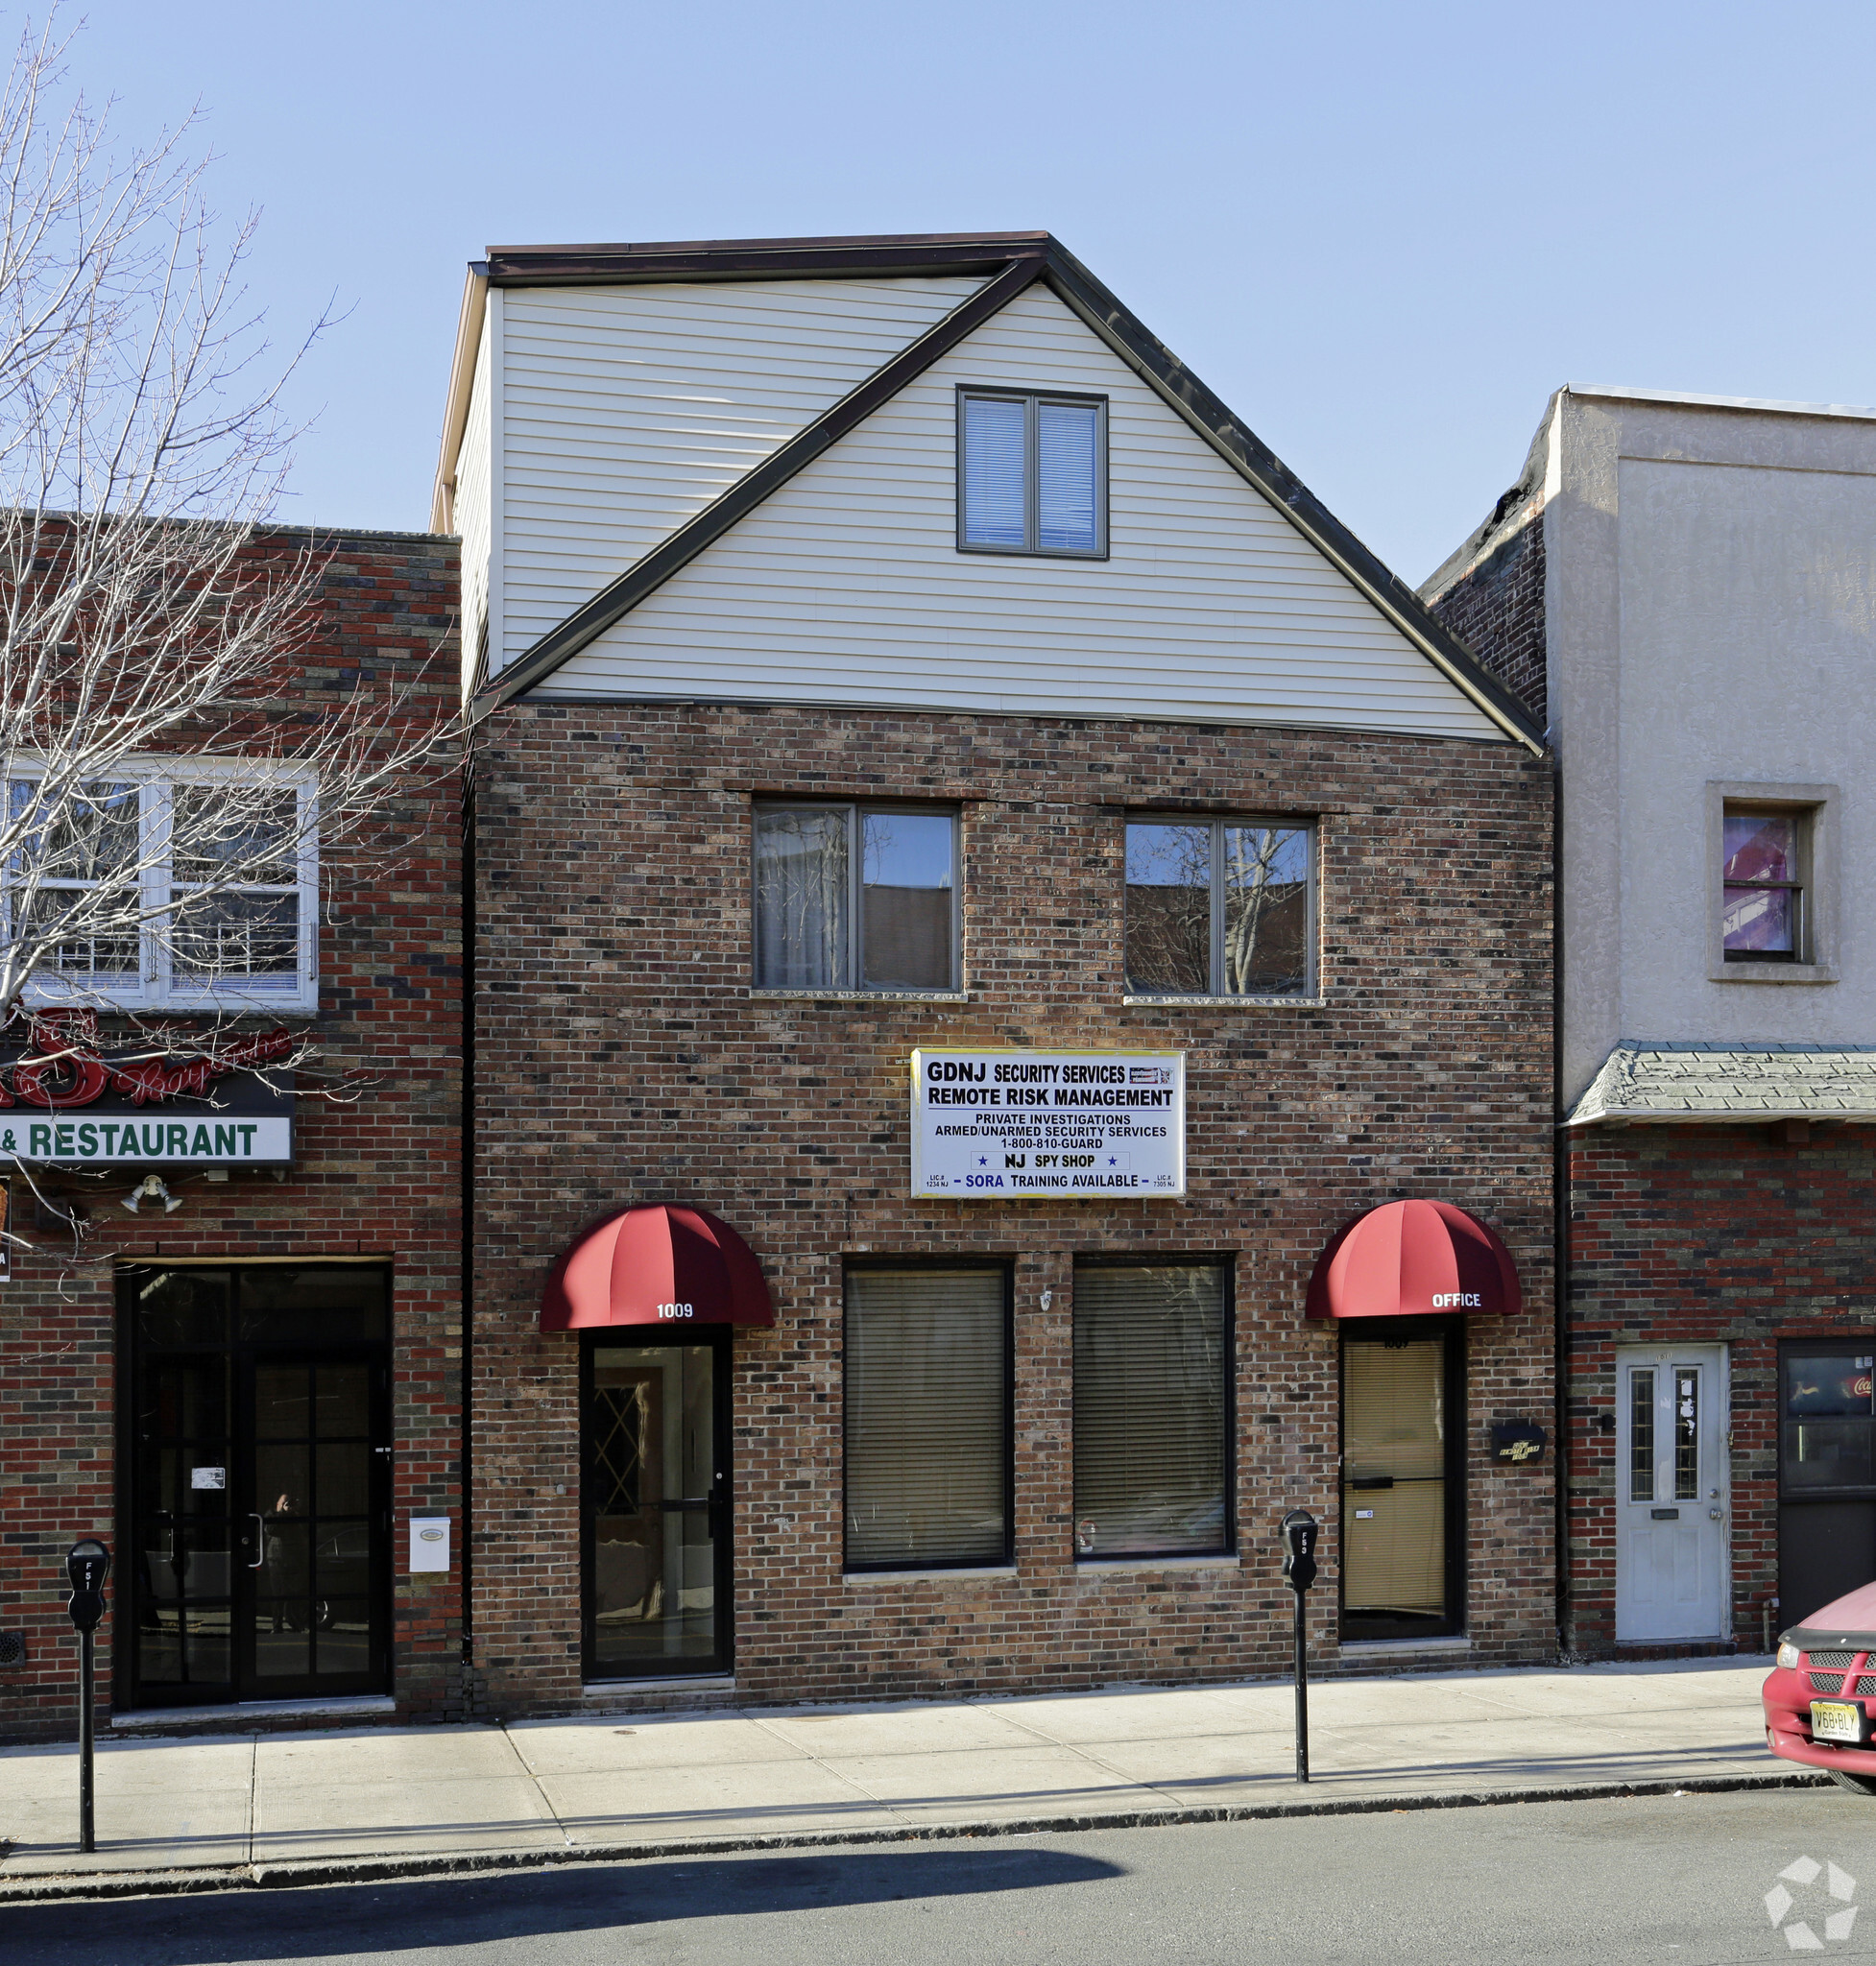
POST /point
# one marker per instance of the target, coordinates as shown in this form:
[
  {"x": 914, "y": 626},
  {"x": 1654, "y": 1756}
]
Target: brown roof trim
[
  {"x": 1016, "y": 260},
  {"x": 898, "y": 256}
]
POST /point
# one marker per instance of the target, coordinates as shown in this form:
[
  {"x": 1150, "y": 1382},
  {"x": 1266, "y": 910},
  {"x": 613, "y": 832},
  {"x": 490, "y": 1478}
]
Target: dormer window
[{"x": 1031, "y": 474}]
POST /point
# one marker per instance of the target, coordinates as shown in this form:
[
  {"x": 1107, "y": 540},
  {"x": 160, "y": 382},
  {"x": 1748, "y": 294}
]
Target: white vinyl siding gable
[
  {"x": 846, "y": 586},
  {"x": 626, "y": 410},
  {"x": 473, "y": 508}
]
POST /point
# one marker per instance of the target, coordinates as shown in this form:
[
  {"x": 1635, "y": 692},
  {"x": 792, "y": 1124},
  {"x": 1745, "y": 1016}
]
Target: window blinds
[
  {"x": 994, "y": 447},
  {"x": 1068, "y": 517},
  {"x": 928, "y": 1426},
  {"x": 1149, "y": 1409}
]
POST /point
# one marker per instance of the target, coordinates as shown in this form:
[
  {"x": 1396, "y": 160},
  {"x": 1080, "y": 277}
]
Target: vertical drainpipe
[
  {"x": 1560, "y": 1204},
  {"x": 466, "y": 1462}
]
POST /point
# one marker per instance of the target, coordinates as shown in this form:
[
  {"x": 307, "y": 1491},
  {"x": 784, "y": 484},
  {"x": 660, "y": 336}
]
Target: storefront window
[
  {"x": 928, "y": 1419},
  {"x": 1151, "y": 1409},
  {"x": 1830, "y": 1416}
]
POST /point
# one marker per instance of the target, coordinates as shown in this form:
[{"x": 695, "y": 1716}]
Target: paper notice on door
[{"x": 208, "y": 1477}]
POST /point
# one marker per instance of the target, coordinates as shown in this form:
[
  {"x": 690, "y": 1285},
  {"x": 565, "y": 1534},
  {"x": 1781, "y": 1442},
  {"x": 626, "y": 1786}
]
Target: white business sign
[{"x": 989, "y": 1125}]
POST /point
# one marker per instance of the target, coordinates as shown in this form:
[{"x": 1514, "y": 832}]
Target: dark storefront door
[
  {"x": 656, "y": 1507},
  {"x": 1826, "y": 1473},
  {"x": 1401, "y": 1502},
  {"x": 259, "y": 1484}
]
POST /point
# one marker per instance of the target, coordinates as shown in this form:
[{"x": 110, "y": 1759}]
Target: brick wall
[
  {"x": 1716, "y": 1234},
  {"x": 1496, "y": 609},
  {"x": 379, "y": 1176},
  {"x": 620, "y": 1058}
]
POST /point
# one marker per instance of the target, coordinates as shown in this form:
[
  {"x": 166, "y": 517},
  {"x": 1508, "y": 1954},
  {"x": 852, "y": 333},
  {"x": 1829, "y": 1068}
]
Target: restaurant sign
[
  {"x": 990, "y": 1125},
  {"x": 73, "y": 1100}
]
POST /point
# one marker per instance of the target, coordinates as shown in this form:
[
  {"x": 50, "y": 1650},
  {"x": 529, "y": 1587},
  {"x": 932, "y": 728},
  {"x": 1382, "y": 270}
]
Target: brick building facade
[
  {"x": 623, "y": 1058},
  {"x": 269, "y": 1273}
]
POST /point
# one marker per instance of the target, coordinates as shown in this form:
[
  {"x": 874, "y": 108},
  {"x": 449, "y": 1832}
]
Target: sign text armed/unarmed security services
[{"x": 990, "y": 1124}]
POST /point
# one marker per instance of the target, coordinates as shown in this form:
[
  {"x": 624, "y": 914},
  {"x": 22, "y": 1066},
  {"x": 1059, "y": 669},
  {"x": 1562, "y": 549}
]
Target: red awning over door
[
  {"x": 655, "y": 1265},
  {"x": 1414, "y": 1259}
]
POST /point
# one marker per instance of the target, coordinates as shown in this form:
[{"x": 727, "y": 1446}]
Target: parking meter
[
  {"x": 88, "y": 1564},
  {"x": 1297, "y": 1533},
  {"x": 1299, "y": 1540}
]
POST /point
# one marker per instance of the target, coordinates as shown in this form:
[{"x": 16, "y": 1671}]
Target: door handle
[
  {"x": 1715, "y": 1516},
  {"x": 260, "y": 1539}
]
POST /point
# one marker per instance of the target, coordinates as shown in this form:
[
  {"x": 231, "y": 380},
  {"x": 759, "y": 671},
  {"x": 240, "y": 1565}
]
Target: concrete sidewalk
[{"x": 308, "y": 1808}]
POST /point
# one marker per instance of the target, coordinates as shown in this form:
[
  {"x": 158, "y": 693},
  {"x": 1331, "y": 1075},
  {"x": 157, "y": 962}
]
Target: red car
[{"x": 1820, "y": 1697}]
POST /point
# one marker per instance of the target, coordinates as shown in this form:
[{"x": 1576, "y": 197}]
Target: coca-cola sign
[{"x": 72, "y": 1097}]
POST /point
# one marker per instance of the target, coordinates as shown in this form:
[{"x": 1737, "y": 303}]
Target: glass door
[
  {"x": 1402, "y": 1519},
  {"x": 258, "y": 1474},
  {"x": 1826, "y": 1473},
  {"x": 656, "y": 1508}
]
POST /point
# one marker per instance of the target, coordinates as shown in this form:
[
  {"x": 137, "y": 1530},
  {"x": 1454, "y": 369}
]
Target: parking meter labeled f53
[
  {"x": 88, "y": 1564},
  {"x": 1298, "y": 1532}
]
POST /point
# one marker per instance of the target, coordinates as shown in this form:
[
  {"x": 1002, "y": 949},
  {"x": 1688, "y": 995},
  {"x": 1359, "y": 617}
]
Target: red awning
[
  {"x": 655, "y": 1265},
  {"x": 1414, "y": 1259}
]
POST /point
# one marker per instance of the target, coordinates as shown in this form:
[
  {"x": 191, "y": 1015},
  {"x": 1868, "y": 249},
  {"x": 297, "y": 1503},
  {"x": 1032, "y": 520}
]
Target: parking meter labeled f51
[
  {"x": 1298, "y": 1532},
  {"x": 88, "y": 1564}
]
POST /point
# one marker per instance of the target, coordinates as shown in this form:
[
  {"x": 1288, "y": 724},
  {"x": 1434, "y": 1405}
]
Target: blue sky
[{"x": 1381, "y": 233}]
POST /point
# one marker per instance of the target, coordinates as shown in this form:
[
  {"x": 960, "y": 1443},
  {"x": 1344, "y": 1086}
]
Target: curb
[{"x": 365, "y": 1870}]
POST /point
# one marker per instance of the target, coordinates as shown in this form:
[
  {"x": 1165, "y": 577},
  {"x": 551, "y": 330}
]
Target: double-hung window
[
  {"x": 1218, "y": 908},
  {"x": 855, "y": 897},
  {"x": 1031, "y": 474},
  {"x": 1152, "y": 1409},
  {"x": 927, "y": 1417},
  {"x": 1764, "y": 917},
  {"x": 195, "y": 886}
]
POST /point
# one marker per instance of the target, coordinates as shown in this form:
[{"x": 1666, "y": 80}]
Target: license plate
[{"x": 1835, "y": 1720}]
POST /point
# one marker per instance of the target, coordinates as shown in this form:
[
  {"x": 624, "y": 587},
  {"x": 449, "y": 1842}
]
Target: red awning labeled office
[
  {"x": 1417, "y": 1258},
  {"x": 655, "y": 1265}
]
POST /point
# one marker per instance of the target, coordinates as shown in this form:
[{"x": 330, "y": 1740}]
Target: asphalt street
[{"x": 1683, "y": 1879}]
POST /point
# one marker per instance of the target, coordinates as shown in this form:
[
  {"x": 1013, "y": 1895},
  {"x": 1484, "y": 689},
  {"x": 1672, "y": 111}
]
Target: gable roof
[{"x": 1009, "y": 263}]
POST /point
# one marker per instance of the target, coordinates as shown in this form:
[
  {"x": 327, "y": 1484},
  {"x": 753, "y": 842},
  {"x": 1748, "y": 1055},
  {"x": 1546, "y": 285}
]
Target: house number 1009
[{"x": 674, "y": 1310}]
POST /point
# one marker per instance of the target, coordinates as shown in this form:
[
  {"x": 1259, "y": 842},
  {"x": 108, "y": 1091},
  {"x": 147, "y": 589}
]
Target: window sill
[
  {"x": 767, "y": 995},
  {"x": 1772, "y": 972},
  {"x": 858, "y": 1579},
  {"x": 1226, "y": 1002},
  {"x": 1393, "y": 1648},
  {"x": 692, "y": 1683},
  {"x": 1224, "y": 1560}
]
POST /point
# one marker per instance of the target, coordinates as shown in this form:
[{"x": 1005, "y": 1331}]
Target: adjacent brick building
[
  {"x": 1685, "y": 586},
  {"x": 968, "y": 693},
  {"x": 249, "y": 1396}
]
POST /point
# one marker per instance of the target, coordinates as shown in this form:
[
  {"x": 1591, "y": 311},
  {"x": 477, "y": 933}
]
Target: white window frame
[
  {"x": 1816, "y": 807},
  {"x": 157, "y": 987},
  {"x": 1031, "y": 398}
]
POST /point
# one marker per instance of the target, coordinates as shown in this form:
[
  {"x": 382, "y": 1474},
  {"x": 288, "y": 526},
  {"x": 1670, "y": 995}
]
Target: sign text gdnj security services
[{"x": 990, "y": 1125}]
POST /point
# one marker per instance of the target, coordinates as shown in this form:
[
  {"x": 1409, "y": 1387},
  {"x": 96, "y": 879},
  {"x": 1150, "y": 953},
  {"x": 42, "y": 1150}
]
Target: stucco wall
[{"x": 1711, "y": 594}]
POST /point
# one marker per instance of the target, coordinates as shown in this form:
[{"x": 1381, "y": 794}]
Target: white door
[{"x": 1672, "y": 1501}]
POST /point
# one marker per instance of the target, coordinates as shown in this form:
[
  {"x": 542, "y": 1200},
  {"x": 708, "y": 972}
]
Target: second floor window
[
  {"x": 855, "y": 897},
  {"x": 182, "y": 890},
  {"x": 1217, "y": 908},
  {"x": 1032, "y": 474},
  {"x": 1764, "y": 917}
]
